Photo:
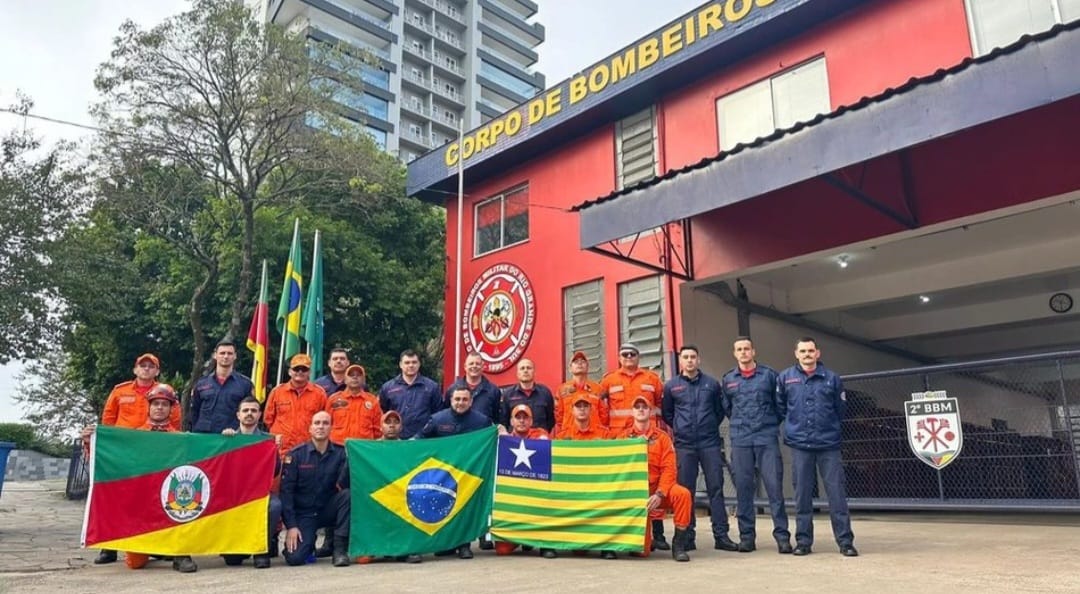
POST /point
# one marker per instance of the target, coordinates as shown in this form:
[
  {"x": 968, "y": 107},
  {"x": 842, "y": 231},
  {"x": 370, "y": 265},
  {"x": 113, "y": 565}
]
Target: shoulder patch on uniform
[
  {"x": 843, "y": 396},
  {"x": 368, "y": 405},
  {"x": 287, "y": 460}
]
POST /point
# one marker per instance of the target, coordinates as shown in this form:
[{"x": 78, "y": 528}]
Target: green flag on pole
[
  {"x": 313, "y": 311},
  {"x": 420, "y": 496}
]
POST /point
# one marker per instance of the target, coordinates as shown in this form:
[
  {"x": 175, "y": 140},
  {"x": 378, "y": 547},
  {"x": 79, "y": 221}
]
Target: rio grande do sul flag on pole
[
  {"x": 178, "y": 493},
  {"x": 571, "y": 495},
  {"x": 419, "y": 496}
]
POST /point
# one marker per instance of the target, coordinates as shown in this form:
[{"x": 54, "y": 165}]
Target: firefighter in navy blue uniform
[
  {"x": 692, "y": 407},
  {"x": 526, "y": 391},
  {"x": 458, "y": 419},
  {"x": 485, "y": 395},
  {"x": 334, "y": 382},
  {"x": 754, "y": 417},
  {"x": 310, "y": 498},
  {"x": 412, "y": 395},
  {"x": 814, "y": 399},
  {"x": 217, "y": 396}
]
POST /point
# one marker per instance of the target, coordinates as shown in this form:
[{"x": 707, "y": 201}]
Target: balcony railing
[
  {"x": 352, "y": 41},
  {"x": 417, "y": 51},
  {"x": 417, "y": 109},
  {"x": 493, "y": 105},
  {"x": 443, "y": 61},
  {"x": 444, "y": 35},
  {"x": 444, "y": 8},
  {"x": 410, "y": 19},
  {"x": 360, "y": 15},
  {"x": 516, "y": 37}
]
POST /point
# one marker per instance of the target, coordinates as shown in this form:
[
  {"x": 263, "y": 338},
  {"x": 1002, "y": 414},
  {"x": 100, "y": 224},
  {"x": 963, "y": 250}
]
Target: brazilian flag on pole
[
  {"x": 420, "y": 496},
  {"x": 288, "y": 314}
]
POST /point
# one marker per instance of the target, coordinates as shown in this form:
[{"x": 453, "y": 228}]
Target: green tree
[
  {"x": 206, "y": 118},
  {"x": 40, "y": 196}
]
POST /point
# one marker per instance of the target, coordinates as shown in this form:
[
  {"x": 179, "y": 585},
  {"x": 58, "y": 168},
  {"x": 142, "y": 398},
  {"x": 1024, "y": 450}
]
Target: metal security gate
[{"x": 1021, "y": 437}]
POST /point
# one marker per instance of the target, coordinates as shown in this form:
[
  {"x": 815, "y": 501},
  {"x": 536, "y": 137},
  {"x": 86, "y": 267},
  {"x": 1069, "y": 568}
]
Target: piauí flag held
[
  {"x": 419, "y": 496},
  {"x": 313, "y": 309},
  {"x": 571, "y": 495},
  {"x": 178, "y": 493},
  {"x": 258, "y": 338},
  {"x": 288, "y": 314}
]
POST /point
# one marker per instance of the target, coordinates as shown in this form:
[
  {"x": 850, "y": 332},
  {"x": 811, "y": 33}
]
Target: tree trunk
[
  {"x": 244, "y": 285},
  {"x": 198, "y": 333}
]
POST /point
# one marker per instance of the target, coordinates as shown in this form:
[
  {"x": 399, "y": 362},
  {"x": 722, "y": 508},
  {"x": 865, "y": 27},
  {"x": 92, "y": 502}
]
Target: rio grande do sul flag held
[
  {"x": 419, "y": 496},
  {"x": 178, "y": 493}
]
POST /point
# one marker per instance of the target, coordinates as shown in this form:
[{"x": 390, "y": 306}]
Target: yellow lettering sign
[
  {"x": 672, "y": 40},
  {"x": 734, "y": 15},
  {"x": 578, "y": 90},
  {"x": 667, "y": 42}
]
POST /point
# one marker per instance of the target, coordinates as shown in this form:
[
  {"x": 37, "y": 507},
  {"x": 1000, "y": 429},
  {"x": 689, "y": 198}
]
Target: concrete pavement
[{"x": 39, "y": 533}]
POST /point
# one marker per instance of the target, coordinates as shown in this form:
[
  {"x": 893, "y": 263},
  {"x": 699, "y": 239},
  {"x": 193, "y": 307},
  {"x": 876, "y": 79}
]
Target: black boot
[
  {"x": 659, "y": 543},
  {"x": 340, "y": 551},
  {"x": 678, "y": 545},
  {"x": 105, "y": 556},
  {"x": 327, "y": 548}
]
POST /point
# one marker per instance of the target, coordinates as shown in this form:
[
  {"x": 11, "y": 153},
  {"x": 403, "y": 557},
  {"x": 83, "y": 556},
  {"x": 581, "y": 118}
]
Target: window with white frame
[
  {"x": 642, "y": 320},
  {"x": 583, "y": 323},
  {"x": 792, "y": 96},
  {"x": 502, "y": 221},
  {"x": 635, "y": 148},
  {"x": 997, "y": 23}
]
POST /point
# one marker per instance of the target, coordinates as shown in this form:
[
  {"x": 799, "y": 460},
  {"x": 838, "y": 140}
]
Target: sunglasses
[
  {"x": 628, "y": 355},
  {"x": 301, "y": 369}
]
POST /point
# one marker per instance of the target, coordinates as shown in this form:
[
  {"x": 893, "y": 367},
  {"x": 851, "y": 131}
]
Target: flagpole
[
  {"x": 285, "y": 330},
  {"x": 457, "y": 260},
  {"x": 314, "y": 259},
  {"x": 258, "y": 368}
]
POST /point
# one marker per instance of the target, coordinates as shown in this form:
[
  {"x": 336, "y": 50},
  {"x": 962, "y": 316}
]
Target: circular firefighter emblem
[
  {"x": 499, "y": 315},
  {"x": 185, "y": 493}
]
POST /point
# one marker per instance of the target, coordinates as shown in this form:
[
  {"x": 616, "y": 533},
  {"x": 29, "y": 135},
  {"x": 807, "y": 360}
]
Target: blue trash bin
[{"x": 5, "y": 449}]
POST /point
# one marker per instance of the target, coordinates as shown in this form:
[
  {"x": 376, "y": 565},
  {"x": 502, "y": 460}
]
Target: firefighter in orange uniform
[
  {"x": 291, "y": 405},
  {"x": 521, "y": 424},
  {"x": 620, "y": 388},
  {"x": 583, "y": 428},
  {"x": 579, "y": 382},
  {"x": 127, "y": 406},
  {"x": 355, "y": 412},
  {"x": 664, "y": 492},
  {"x": 161, "y": 402}
]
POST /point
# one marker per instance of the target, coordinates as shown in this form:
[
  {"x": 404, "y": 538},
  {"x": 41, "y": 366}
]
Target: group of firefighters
[{"x": 679, "y": 419}]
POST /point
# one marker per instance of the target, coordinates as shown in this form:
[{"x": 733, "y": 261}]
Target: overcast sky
[{"x": 51, "y": 49}]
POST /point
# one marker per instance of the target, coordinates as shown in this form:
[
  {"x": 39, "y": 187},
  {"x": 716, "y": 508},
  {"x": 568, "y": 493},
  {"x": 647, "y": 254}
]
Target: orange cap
[
  {"x": 359, "y": 368},
  {"x": 582, "y": 397},
  {"x": 521, "y": 408},
  {"x": 300, "y": 360},
  {"x": 579, "y": 355},
  {"x": 148, "y": 357},
  {"x": 642, "y": 399}
]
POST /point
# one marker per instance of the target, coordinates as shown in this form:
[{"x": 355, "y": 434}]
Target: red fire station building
[{"x": 898, "y": 178}]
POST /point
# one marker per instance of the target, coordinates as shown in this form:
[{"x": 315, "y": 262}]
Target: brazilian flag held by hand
[{"x": 420, "y": 496}]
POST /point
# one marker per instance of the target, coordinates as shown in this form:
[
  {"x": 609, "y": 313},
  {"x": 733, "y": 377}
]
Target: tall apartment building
[{"x": 439, "y": 62}]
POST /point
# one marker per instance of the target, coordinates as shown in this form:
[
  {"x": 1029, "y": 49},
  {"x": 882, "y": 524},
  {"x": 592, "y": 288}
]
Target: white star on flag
[{"x": 522, "y": 455}]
